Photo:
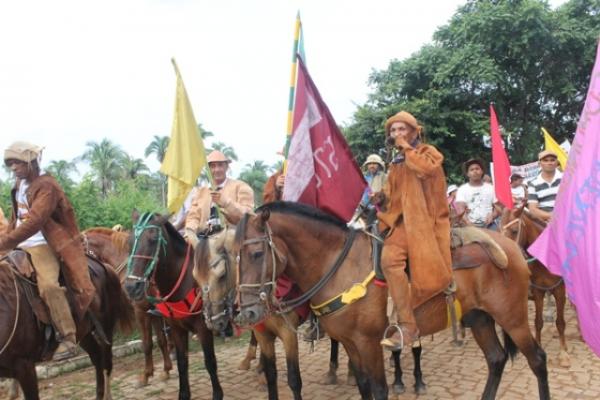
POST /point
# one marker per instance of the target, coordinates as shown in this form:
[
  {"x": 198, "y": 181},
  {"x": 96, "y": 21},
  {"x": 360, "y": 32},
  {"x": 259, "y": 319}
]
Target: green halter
[{"x": 139, "y": 228}]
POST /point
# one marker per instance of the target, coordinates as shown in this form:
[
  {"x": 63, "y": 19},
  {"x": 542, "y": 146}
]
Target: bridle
[{"x": 148, "y": 277}]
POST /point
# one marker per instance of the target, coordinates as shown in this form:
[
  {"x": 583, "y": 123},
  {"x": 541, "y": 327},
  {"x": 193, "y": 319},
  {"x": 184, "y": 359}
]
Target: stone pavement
[{"x": 450, "y": 373}]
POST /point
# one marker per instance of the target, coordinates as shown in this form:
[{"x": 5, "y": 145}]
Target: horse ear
[
  {"x": 135, "y": 215},
  {"x": 163, "y": 219}
]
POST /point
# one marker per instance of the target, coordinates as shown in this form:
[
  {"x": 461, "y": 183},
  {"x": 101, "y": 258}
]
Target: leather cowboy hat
[{"x": 471, "y": 161}]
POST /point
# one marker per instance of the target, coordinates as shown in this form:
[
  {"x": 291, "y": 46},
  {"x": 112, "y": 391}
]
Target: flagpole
[{"x": 293, "y": 75}]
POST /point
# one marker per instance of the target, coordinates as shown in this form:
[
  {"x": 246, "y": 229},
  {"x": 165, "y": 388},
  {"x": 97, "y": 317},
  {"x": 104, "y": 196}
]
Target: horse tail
[
  {"x": 125, "y": 313},
  {"x": 510, "y": 348}
]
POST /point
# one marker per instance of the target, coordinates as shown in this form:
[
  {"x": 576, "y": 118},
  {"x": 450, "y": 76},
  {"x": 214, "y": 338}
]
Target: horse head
[
  {"x": 259, "y": 263},
  {"x": 215, "y": 275},
  {"x": 148, "y": 245},
  {"x": 511, "y": 223}
]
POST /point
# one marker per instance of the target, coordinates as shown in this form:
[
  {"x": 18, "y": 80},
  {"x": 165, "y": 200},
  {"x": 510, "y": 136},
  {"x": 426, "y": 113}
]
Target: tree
[
  {"x": 132, "y": 167},
  {"x": 158, "y": 146},
  {"x": 61, "y": 170},
  {"x": 204, "y": 134},
  {"x": 255, "y": 175},
  {"x": 105, "y": 162},
  {"x": 531, "y": 61}
]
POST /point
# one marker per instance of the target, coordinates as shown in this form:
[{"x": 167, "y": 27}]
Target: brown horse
[
  {"x": 522, "y": 227},
  {"x": 305, "y": 242},
  {"x": 112, "y": 248},
  {"x": 161, "y": 259},
  {"x": 25, "y": 340}
]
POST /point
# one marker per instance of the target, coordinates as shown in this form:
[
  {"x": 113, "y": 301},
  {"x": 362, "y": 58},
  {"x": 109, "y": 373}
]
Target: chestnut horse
[
  {"x": 522, "y": 227},
  {"x": 304, "y": 243},
  {"x": 161, "y": 259},
  {"x": 112, "y": 248},
  {"x": 24, "y": 339}
]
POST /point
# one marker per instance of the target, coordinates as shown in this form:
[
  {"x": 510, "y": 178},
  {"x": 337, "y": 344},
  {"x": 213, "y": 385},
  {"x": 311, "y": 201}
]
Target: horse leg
[
  {"x": 91, "y": 346},
  {"x": 538, "y": 299},
  {"x": 266, "y": 341},
  {"x": 331, "y": 376},
  {"x": 163, "y": 345},
  {"x": 398, "y": 386},
  {"x": 180, "y": 337},
  {"x": 250, "y": 354},
  {"x": 290, "y": 344},
  {"x": 548, "y": 314},
  {"x": 371, "y": 357},
  {"x": 210, "y": 360},
  {"x": 420, "y": 386},
  {"x": 144, "y": 323},
  {"x": 484, "y": 332},
  {"x": 520, "y": 335},
  {"x": 560, "y": 297},
  {"x": 362, "y": 379},
  {"x": 27, "y": 378}
]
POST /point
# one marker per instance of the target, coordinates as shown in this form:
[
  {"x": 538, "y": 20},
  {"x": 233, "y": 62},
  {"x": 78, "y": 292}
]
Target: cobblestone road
[{"x": 450, "y": 373}]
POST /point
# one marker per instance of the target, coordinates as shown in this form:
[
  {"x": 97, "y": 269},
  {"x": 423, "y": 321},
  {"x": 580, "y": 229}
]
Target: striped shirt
[{"x": 544, "y": 193}]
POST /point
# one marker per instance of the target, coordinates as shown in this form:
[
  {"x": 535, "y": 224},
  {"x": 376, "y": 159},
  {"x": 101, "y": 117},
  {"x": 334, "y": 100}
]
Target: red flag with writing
[
  {"x": 501, "y": 163},
  {"x": 321, "y": 169}
]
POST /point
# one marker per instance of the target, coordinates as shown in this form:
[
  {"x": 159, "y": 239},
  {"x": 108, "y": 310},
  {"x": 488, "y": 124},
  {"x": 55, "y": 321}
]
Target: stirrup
[
  {"x": 70, "y": 349},
  {"x": 387, "y": 343}
]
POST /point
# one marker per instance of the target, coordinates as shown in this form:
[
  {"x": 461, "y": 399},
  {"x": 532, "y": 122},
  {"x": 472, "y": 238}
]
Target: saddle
[{"x": 471, "y": 247}]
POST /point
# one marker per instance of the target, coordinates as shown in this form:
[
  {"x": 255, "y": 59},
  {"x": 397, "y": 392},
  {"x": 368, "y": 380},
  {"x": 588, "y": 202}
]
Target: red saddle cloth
[{"x": 183, "y": 308}]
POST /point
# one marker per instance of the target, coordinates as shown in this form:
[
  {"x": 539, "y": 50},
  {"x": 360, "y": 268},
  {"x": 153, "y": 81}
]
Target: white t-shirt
[
  {"x": 22, "y": 211},
  {"x": 479, "y": 200},
  {"x": 518, "y": 193}
]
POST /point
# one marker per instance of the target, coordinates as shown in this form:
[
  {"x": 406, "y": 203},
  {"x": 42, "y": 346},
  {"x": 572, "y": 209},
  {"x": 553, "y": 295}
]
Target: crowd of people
[{"x": 412, "y": 199}]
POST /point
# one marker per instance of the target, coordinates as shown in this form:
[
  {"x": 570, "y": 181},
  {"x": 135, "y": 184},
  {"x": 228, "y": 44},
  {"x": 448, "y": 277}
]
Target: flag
[
  {"x": 322, "y": 171},
  {"x": 185, "y": 157},
  {"x": 501, "y": 163},
  {"x": 570, "y": 245},
  {"x": 551, "y": 145}
]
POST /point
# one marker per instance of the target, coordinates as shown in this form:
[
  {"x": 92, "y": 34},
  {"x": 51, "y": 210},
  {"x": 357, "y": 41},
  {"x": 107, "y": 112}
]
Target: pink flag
[
  {"x": 321, "y": 169},
  {"x": 570, "y": 245},
  {"x": 501, "y": 163}
]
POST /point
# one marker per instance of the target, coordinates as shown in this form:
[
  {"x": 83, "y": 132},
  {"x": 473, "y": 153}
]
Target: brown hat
[
  {"x": 515, "y": 177},
  {"x": 217, "y": 156},
  {"x": 405, "y": 117},
  {"x": 374, "y": 159},
  {"x": 471, "y": 161},
  {"x": 546, "y": 153},
  {"x": 22, "y": 151}
]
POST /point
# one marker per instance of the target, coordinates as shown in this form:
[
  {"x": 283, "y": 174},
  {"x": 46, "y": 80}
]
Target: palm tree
[
  {"x": 278, "y": 166},
  {"x": 61, "y": 169},
  {"x": 204, "y": 134},
  {"x": 158, "y": 146},
  {"x": 105, "y": 162},
  {"x": 227, "y": 150},
  {"x": 133, "y": 167},
  {"x": 255, "y": 175}
]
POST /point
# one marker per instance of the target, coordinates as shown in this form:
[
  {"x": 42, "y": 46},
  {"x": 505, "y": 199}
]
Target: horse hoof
[
  {"x": 330, "y": 379},
  {"x": 351, "y": 380},
  {"x": 244, "y": 365},
  {"x": 564, "y": 360},
  {"x": 164, "y": 376},
  {"x": 398, "y": 388},
  {"x": 420, "y": 389},
  {"x": 143, "y": 381},
  {"x": 262, "y": 380}
]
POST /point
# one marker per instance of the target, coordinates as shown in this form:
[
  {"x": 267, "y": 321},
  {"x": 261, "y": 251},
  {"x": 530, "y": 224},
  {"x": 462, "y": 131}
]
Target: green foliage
[
  {"x": 255, "y": 175},
  {"x": 532, "y": 62},
  {"x": 5, "y": 187}
]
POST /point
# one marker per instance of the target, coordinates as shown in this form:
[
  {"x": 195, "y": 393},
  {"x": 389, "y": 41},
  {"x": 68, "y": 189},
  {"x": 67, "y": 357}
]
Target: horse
[
  {"x": 161, "y": 259},
  {"x": 112, "y": 248},
  {"x": 324, "y": 257},
  {"x": 524, "y": 228},
  {"x": 26, "y": 339}
]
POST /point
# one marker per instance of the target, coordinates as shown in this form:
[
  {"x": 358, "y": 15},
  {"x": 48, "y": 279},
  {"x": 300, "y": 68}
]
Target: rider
[
  {"x": 273, "y": 189},
  {"x": 375, "y": 177},
  {"x": 477, "y": 197},
  {"x": 416, "y": 211},
  {"x": 43, "y": 224},
  {"x": 543, "y": 189},
  {"x": 233, "y": 198}
]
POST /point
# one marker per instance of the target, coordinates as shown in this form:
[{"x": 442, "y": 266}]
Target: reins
[{"x": 17, "y": 309}]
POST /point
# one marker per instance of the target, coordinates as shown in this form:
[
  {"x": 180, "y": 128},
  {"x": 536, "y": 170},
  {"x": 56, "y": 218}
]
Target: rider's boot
[
  {"x": 60, "y": 312},
  {"x": 313, "y": 330},
  {"x": 406, "y": 331}
]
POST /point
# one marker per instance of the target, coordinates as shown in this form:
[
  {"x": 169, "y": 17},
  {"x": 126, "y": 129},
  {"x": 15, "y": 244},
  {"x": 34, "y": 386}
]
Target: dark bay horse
[
  {"x": 161, "y": 259},
  {"x": 23, "y": 340},
  {"x": 522, "y": 227},
  {"x": 304, "y": 243},
  {"x": 112, "y": 248}
]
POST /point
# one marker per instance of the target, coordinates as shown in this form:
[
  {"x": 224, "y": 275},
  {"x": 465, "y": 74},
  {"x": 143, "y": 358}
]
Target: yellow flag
[
  {"x": 185, "y": 156},
  {"x": 551, "y": 145}
]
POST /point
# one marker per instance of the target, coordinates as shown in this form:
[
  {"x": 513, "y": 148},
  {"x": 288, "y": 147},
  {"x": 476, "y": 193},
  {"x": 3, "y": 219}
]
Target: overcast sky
[{"x": 79, "y": 71}]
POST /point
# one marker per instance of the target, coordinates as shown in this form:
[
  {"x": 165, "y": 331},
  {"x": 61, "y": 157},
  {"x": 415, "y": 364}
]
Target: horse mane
[
  {"x": 119, "y": 239},
  {"x": 172, "y": 232},
  {"x": 201, "y": 252},
  {"x": 304, "y": 211}
]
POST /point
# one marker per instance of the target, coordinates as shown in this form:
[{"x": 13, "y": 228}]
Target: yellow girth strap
[
  {"x": 457, "y": 310},
  {"x": 356, "y": 292}
]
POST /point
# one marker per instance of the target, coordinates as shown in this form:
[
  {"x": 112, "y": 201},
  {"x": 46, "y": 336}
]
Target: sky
[{"x": 72, "y": 72}]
